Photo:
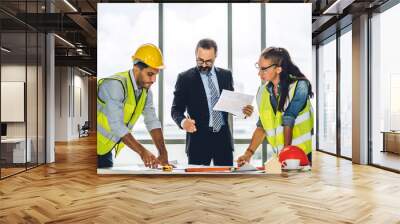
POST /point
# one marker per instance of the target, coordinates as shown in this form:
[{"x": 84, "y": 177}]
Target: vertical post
[
  {"x": 263, "y": 45},
  {"x": 161, "y": 76},
  {"x": 369, "y": 90},
  {"x": 230, "y": 64},
  {"x": 50, "y": 92},
  {"x": 26, "y": 88},
  {"x": 360, "y": 113},
  {"x": 0, "y": 96},
  {"x": 317, "y": 96},
  {"x": 338, "y": 98}
]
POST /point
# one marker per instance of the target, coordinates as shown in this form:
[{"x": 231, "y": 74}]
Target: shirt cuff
[
  {"x": 121, "y": 131},
  {"x": 259, "y": 124},
  {"x": 153, "y": 125},
  {"x": 288, "y": 121}
]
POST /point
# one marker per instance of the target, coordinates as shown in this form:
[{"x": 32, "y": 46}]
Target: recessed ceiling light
[
  {"x": 70, "y": 5},
  {"x": 338, "y": 6},
  {"x": 64, "y": 40},
  {"x": 84, "y": 71},
  {"x": 5, "y": 50}
]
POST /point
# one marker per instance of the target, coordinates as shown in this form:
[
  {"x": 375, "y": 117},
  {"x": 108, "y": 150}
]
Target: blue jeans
[
  {"x": 309, "y": 156},
  {"x": 105, "y": 161}
]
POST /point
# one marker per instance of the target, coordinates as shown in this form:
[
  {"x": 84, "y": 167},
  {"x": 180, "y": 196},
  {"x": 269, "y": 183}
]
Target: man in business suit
[{"x": 196, "y": 91}]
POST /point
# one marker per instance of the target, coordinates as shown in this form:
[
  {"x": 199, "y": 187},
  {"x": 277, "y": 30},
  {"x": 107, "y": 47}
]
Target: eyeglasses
[
  {"x": 264, "y": 69},
  {"x": 201, "y": 62}
]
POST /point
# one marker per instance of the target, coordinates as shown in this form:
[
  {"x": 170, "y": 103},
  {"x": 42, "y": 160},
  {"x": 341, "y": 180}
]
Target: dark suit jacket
[{"x": 190, "y": 96}]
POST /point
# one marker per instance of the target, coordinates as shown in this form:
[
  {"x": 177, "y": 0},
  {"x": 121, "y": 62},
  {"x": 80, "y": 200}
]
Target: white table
[
  {"x": 19, "y": 154},
  {"x": 179, "y": 170}
]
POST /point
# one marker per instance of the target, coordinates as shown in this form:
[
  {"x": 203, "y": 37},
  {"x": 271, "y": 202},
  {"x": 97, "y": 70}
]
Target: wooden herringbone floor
[{"x": 70, "y": 191}]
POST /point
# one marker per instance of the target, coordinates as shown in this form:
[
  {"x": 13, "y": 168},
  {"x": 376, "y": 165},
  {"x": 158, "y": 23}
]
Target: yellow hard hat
[{"x": 150, "y": 55}]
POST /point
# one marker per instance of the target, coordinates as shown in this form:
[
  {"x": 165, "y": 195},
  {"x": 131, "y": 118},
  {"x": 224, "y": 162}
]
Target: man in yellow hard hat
[{"x": 121, "y": 99}]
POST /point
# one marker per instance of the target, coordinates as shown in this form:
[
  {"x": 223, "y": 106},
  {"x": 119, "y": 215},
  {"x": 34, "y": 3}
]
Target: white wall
[
  {"x": 33, "y": 126},
  {"x": 71, "y": 94},
  {"x": 16, "y": 73}
]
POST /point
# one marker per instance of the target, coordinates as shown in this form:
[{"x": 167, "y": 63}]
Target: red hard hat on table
[{"x": 293, "y": 152}]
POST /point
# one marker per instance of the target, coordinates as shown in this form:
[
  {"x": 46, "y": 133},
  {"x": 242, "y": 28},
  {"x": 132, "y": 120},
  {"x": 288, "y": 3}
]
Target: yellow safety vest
[
  {"x": 106, "y": 140},
  {"x": 272, "y": 122}
]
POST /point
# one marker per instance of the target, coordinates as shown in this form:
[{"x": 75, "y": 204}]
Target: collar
[
  {"x": 270, "y": 88},
  {"x": 270, "y": 85},
  {"x": 133, "y": 80},
  {"x": 213, "y": 71}
]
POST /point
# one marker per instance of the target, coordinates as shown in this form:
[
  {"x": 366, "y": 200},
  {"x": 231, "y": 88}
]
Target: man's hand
[
  {"x": 189, "y": 125},
  {"x": 245, "y": 158},
  {"x": 248, "y": 110},
  {"x": 163, "y": 159},
  {"x": 149, "y": 159}
]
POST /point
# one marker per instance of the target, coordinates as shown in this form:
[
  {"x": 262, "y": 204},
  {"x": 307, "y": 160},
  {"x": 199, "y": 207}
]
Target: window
[
  {"x": 297, "y": 38},
  {"x": 246, "y": 42},
  {"x": 327, "y": 96},
  {"x": 185, "y": 25},
  {"x": 345, "y": 94},
  {"x": 22, "y": 76},
  {"x": 129, "y": 25},
  {"x": 385, "y": 88}
]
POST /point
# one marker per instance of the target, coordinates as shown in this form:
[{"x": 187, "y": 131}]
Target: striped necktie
[{"x": 216, "y": 116}]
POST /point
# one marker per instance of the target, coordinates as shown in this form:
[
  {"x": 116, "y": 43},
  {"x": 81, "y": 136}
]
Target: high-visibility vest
[
  {"x": 106, "y": 139},
  {"x": 272, "y": 121}
]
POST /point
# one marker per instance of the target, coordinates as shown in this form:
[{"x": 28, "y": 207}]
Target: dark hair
[
  {"x": 290, "y": 72},
  {"x": 207, "y": 44},
  {"x": 140, "y": 64}
]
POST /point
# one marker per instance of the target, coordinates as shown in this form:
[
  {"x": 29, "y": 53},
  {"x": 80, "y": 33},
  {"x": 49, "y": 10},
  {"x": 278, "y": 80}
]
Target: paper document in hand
[{"x": 233, "y": 102}]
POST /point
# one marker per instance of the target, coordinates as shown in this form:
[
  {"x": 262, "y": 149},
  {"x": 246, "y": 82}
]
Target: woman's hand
[{"x": 245, "y": 158}]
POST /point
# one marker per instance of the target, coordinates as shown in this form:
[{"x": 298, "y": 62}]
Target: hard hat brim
[{"x": 155, "y": 67}]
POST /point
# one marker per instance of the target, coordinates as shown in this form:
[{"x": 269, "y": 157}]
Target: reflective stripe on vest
[
  {"x": 272, "y": 122},
  {"x": 106, "y": 139}
]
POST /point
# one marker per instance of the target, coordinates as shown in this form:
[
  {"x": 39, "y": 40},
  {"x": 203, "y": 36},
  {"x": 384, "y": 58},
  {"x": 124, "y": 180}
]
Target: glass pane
[
  {"x": 13, "y": 86},
  {"x": 41, "y": 98},
  {"x": 189, "y": 22},
  {"x": 32, "y": 88},
  {"x": 313, "y": 80},
  {"x": 327, "y": 97},
  {"x": 297, "y": 39},
  {"x": 245, "y": 52},
  {"x": 32, "y": 98},
  {"x": 385, "y": 86},
  {"x": 345, "y": 94},
  {"x": 137, "y": 24}
]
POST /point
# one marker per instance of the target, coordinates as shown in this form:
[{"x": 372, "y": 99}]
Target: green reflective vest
[
  {"x": 106, "y": 140},
  {"x": 272, "y": 122}
]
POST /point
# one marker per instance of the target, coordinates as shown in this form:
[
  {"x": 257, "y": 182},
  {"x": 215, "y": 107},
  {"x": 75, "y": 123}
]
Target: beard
[
  {"x": 204, "y": 70},
  {"x": 146, "y": 85}
]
